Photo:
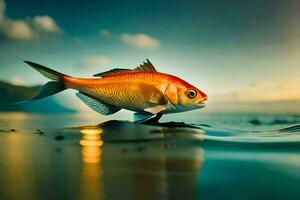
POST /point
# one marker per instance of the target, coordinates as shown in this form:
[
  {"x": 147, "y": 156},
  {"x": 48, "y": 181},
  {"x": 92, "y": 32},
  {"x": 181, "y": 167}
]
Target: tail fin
[
  {"x": 52, "y": 87},
  {"x": 49, "y": 73}
]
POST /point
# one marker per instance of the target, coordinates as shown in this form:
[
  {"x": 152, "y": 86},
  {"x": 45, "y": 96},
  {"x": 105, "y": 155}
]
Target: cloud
[
  {"x": 26, "y": 29},
  {"x": 18, "y": 30},
  {"x": 95, "y": 61},
  {"x": 46, "y": 23},
  {"x": 140, "y": 41}
]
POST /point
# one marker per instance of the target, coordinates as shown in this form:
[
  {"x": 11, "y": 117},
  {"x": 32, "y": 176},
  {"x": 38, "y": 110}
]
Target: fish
[{"x": 143, "y": 90}]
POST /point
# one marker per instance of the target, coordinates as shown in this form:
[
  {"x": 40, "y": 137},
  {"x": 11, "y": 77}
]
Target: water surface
[{"x": 74, "y": 157}]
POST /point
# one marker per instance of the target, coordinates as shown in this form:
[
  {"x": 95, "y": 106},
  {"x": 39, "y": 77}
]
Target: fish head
[
  {"x": 184, "y": 96},
  {"x": 191, "y": 98}
]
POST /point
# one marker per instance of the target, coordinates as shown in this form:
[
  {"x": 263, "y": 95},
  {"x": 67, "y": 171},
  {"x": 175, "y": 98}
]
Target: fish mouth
[{"x": 201, "y": 104}]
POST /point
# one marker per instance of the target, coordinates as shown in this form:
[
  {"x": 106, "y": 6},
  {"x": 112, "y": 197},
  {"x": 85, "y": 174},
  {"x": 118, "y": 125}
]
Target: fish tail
[{"x": 52, "y": 87}]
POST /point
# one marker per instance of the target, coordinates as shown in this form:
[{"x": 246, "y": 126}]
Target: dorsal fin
[
  {"x": 113, "y": 72},
  {"x": 146, "y": 67}
]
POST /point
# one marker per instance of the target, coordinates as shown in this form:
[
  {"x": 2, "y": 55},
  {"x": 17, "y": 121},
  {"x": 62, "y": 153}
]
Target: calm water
[{"x": 222, "y": 156}]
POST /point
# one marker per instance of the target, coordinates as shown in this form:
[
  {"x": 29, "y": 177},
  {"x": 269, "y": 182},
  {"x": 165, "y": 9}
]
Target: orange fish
[{"x": 144, "y": 90}]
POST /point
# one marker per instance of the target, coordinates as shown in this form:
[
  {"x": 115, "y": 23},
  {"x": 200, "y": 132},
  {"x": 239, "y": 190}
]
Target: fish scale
[{"x": 119, "y": 89}]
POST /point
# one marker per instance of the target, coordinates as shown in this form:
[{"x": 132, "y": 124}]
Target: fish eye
[{"x": 192, "y": 93}]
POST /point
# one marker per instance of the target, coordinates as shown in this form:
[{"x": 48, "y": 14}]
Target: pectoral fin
[
  {"x": 172, "y": 94},
  {"x": 152, "y": 94}
]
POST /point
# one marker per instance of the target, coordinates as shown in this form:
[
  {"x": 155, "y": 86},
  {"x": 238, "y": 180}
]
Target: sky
[{"x": 235, "y": 51}]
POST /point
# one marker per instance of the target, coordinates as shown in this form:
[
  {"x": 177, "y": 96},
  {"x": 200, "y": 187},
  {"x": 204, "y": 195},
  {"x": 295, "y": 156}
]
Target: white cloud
[
  {"x": 46, "y": 23},
  {"x": 19, "y": 30},
  {"x": 25, "y": 29},
  {"x": 141, "y": 41},
  {"x": 104, "y": 32},
  {"x": 95, "y": 61}
]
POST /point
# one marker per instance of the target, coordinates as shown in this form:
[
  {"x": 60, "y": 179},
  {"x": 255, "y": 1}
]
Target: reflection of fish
[{"x": 144, "y": 90}]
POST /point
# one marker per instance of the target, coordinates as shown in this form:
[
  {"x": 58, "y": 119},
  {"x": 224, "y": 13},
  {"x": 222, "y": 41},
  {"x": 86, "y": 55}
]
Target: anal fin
[{"x": 97, "y": 105}]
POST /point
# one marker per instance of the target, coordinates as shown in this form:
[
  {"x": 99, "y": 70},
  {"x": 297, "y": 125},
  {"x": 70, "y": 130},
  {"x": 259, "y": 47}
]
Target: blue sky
[{"x": 235, "y": 51}]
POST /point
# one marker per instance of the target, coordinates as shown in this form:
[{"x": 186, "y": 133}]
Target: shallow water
[{"x": 62, "y": 156}]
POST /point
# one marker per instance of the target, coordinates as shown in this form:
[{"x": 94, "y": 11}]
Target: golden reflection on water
[
  {"x": 91, "y": 142},
  {"x": 137, "y": 170},
  {"x": 16, "y": 172},
  {"x": 91, "y": 185}
]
